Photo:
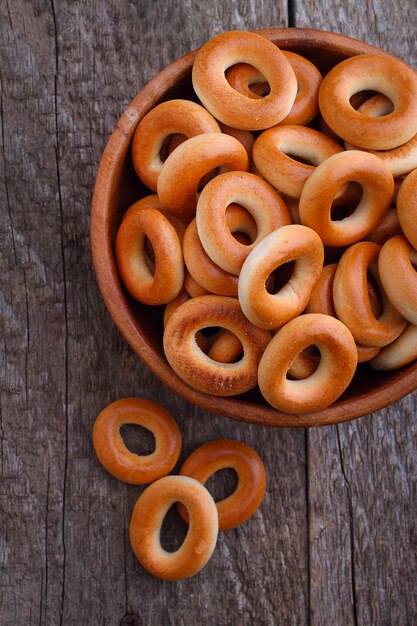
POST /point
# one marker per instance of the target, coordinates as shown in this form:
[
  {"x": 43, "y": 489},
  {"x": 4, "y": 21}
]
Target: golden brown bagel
[
  {"x": 246, "y": 138},
  {"x": 275, "y": 155},
  {"x": 192, "y": 287},
  {"x": 228, "y": 105},
  {"x": 166, "y": 119},
  {"x": 389, "y": 227},
  {"x": 398, "y": 276},
  {"x": 351, "y": 299},
  {"x": 166, "y": 282},
  {"x": 335, "y": 371},
  {"x": 248, "y": 495},
  {"x": 146, "y": 522},
  {"x": 203, "y": 269},
  {"x": 249, "y": 81},
  {"x": 194, "y": 158},
  {"x": 399, "y": 353},
  {"x": 386, "y": 75},
  {"x": 321, "y": 301},
  {"x": 118, "y": 460},
  {"x": 254, "y": 194},
  {"x": 330, "y": 178},
  {"x": 288, "y": 243},
  {"x": 196, "y": 368},
  {"x": 400, "y": 160},
  {"x": 153, "y": 202},
  {"x": 407, "y": 207}
]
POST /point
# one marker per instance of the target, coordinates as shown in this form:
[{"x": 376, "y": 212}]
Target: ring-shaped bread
[
  {"x": 329, "y": 179},
  {"x": 288, "y": 243},
  {"x": 396, "y": 266},
  {"x": 204, "y": 342},
  {"x": 321, "y": 301},
  {"x": 249, "y": 191},
  {"x": 351, "y": 297},
  {"x": 389, "y": 227},
  {"x": 276, "y": 150},
  {"x": 401, "y": 160},
  {"x": 407, "y": 207},
  {"x": 153, "y": 202},
  {"x": 225, "y": 347},
  {"x": 334, "y": 372},
  {"x": 250, "y": 489},
  {"x": 118, "y": 460},
  {"x": 166, "y": 282},
  {"x": 246, "y": 138},
  {"x": 399, "y": 353},
  {"x": 166, "y": 119},
  {"x": 185, "y": 167},
  {"x": 202, "y": 271},
  {"x": 192, "y": 287},
  {"x": 195, "y": 367},
  {"x": 386, "y": 75},
  {"x": 248, "y": 80},
  {"x": 228, "y": 105},
  {"x": 146, "y": 522}
]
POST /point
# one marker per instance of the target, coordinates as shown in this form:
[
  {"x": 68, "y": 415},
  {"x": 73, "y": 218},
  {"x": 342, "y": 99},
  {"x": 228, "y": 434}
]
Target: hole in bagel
[
  {"x": 173, "y": 530},
  {"x": 378, "y": 110},
  {"x": 207, "y": 178},
  {"x": 279, "y": 277},
  {"x": 226, "y": 347},
  {"x": 304, "y": 364},
  {"x": 260, "y": 86},
  {"x": 171, "y": 142},
  {"x": 375, "y": 299},
  {"x": 137, "y": 439},
  {"x": 261, "y": 89},
  {"x": 339, "y": 213},
  {"x": 209, "y": 331},
  {"x": 242, "y": 238},
  {"x": 149, "y": 255},
  {"x": 300, "y": 158},
  {"x": 358, "y": 98},
  {"x": 241, "y": 224},
  {"x": 346, "y": 202},
  {"x": 222, "y": 483}
]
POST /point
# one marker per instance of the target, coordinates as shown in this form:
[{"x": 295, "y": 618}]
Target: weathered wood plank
[
  {"x": 332, "y": 542},
  {"x": 79, "y": 65},
  {"x": 33, "y": 354},
  {"x": 362, "y": 475}
]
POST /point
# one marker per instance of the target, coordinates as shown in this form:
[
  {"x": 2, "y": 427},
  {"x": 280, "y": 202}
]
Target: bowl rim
[{"x": 345, "y": 409}]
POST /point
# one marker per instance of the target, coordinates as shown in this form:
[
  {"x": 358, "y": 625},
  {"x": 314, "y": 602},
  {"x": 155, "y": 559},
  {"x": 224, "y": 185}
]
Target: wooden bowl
[{"x": 117, "y": 187}]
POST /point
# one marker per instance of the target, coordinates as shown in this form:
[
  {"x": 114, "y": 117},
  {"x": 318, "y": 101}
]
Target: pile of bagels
[
  {"x": 204, "y": 516},
  {"x": 282, "y": 215}
]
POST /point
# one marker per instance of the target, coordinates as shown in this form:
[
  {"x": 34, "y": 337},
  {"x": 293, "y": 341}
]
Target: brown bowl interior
[{"x": 117, "y": 187}]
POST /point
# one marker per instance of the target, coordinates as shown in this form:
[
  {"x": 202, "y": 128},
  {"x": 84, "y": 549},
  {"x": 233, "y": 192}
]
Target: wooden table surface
[{"x": 334, "y": 542}]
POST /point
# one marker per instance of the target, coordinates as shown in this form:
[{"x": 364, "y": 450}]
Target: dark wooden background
[{"x": 334, "y": 542}]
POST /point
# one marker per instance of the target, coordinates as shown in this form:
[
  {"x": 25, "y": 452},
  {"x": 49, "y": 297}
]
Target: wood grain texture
[
  {"x": 362, "y": 475},
  {"x": 334, "y": 540}
]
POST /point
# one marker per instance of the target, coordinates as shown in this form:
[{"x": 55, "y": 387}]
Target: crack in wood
[
  {"x": 46, "y": 542},
  {"x": 1, "y": 441},
  {"x": 351, "y": 528},
  {"x": 125, "y": 531},
  {"x": 64, "y": 274},
  {"x": 9, "y": 14},
  {"x": 6, "y": 188},
  {"x": 291, "y": 11},
  {"x": 27, "y": 340},
  {"x": 307, "y": 490}
]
